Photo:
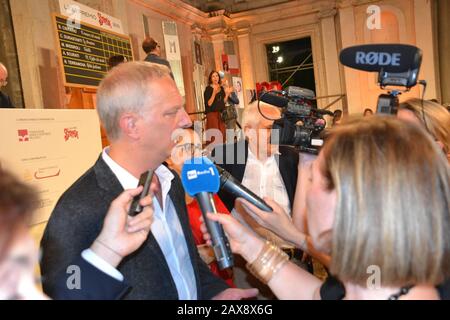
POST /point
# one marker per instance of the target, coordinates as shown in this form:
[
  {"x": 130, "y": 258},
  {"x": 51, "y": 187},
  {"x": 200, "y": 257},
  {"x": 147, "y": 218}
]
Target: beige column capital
[{"x": 327, "y": 13}]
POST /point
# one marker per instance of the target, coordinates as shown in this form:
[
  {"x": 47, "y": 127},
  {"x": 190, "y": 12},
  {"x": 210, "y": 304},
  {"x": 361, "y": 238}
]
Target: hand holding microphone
[{"x": 201, "y": 180}]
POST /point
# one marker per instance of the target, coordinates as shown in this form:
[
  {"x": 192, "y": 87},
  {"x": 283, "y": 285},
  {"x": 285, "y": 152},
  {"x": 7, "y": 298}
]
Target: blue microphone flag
[{"x": 200, "y": 175}]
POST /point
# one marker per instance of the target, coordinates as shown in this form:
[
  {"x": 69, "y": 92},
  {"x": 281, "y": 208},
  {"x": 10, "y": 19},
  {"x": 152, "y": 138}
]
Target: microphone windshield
[
  {"x": 393, "y": 58},
  {"x": 200, "y": 175},
  {"x": 275, "y": 100}
]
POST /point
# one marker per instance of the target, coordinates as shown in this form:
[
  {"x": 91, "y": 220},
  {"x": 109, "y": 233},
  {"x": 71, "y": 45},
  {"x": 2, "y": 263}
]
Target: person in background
[
  {"x": 432, "y": 116},
  {"x": 351, "y": 211},
  {"x": 190, "y": 146},
  {"x": 5, "y": 100},
  {"x": 337, "y": 117},
  {"x": 19, "y": 254},
  {"x": 368, "y": 112},
  {"x": 114, "y": 61},
  {"x": 216, "y": 96},
  {"x": 266, "y": 169},
  {"x": 153, "y": 51}
]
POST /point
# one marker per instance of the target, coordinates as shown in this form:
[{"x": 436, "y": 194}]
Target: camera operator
[{"x": 351, "y": 214}]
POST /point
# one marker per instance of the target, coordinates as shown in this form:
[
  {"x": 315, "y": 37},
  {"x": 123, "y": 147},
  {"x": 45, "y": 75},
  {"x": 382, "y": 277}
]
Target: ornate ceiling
[{"x": 231, "y": 6}]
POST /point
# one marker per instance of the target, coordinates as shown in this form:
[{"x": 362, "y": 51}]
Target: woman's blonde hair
[
  {"x": 434, "y": 117},
  {"x": 393, "y": 210}
]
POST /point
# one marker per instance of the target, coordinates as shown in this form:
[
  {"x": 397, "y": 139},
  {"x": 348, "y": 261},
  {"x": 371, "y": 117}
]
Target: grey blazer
[{"x": 77, "y": 220}]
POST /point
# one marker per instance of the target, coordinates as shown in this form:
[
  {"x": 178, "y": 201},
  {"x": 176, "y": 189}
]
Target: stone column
[
  {"x": 348, "y": 38},
  {"x": 330, "y": 57},
  {"x": 246, "y": 60},
  {"x": 424, "y": 40}
]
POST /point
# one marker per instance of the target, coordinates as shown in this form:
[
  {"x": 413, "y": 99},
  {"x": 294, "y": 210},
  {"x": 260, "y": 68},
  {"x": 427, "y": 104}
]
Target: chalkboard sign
[{"x": 84, "y": 52}]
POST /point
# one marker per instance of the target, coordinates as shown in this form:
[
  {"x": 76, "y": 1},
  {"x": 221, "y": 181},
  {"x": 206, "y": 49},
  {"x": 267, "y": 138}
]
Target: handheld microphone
[
  {"x": 145, "y": 180},
  {"x": 201, "y": 180},
  {"x": 391, "y": 58},
  {"x": 233, "y": 186},
  {"x": 275, "y": 100}
]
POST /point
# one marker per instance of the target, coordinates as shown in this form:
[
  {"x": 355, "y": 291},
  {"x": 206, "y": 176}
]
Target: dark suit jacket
[
  {"x": 5, "y": 101},
  {"x": 76, "y": 222},
  {"x": 94, "y": 284},
  {"x": 157, "y": 59},
  {"x": 233, "y": 158}
]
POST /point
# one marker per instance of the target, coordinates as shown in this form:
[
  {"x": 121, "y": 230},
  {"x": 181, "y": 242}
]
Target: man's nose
[{"x": 185, "y": 121}]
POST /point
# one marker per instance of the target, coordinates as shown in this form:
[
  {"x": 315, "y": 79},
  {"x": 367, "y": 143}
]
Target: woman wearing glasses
[{"x": 190, "y": 146}]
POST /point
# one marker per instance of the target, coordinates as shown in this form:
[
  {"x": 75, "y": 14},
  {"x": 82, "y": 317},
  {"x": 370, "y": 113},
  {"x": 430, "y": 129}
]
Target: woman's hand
[
  {"x": 121, "y": 234},
  {"x": 216, "y": 89},
  {"x": 277, "y": 221},
  {"x": 242, "y": 240}
]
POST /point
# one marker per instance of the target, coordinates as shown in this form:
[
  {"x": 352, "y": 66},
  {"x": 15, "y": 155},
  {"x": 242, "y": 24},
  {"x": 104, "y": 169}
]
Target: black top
[
  {"x": 5, "y": 101},
  {"x": 218, "y": 104},
  {"x": 333, "y": 289}
]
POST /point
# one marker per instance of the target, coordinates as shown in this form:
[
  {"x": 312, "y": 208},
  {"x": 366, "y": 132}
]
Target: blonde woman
[
  {"x": 434, "y": 117},
  {"x": 379, "y": 205}
]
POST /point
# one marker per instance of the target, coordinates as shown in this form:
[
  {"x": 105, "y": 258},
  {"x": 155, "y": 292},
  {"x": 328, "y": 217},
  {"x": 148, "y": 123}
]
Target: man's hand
[
  {"x": 121, "y": 234},
  {"x": 236, "y": 294}
]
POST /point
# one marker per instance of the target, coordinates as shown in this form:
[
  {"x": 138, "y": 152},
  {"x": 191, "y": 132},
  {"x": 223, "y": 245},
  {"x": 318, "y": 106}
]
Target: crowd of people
[{"x": 375, "y": 203}]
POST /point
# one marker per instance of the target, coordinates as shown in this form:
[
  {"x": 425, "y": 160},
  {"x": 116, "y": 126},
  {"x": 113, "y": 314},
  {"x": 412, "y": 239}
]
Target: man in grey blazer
[{"x": 140, "y": 108}]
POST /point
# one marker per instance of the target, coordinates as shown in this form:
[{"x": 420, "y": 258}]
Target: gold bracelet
[{"x": 269, "y": 261}]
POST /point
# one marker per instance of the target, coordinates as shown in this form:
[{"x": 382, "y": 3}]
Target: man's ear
[{"x": 128, "y": 125}]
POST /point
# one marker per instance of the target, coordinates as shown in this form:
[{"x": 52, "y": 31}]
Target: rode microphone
[
  {"x": 234, "y": 187},
  {"x": 392, "y": 58},
  {"x": 201, "y": 180}
]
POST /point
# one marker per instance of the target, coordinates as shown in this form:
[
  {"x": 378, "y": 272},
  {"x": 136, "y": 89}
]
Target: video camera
[
  {"x": 397, "y": 65},
  {"x": 301, "y": 123}
]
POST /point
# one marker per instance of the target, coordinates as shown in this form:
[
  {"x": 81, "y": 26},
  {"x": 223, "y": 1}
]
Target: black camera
[{"x": 301, "y": 123}]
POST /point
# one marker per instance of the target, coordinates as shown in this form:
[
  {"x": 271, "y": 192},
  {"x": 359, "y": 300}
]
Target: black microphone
[
  {"x": 392, "y": 58},
  {"x": 275, "y": 100},
  {"x": 325, "y": 112},
  {"x": 234, "y": 187},
  {"x": 201, "y": 180}
]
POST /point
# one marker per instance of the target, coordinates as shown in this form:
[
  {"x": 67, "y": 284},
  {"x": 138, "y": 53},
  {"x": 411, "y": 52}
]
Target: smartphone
[{"x": 146, "y": 181}]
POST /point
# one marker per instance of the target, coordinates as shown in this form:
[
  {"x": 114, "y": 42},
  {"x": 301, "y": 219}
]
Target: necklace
[{"x": 403, "y": 291}]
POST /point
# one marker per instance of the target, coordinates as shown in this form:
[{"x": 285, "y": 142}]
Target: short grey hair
[{"x": 126, "y": 89}]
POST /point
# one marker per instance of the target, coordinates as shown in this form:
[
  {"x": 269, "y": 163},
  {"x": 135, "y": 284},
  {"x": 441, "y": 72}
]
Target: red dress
[{"x": 195, "y": 213}]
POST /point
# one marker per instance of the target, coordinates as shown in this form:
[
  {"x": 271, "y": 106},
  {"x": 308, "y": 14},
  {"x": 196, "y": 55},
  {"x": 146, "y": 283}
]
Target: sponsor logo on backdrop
[
  {"x": 23, "y": 135},
  {"x": 29, "y": 135},
  {"x": 70, "y": 133},
  {"x": 104, "y": 20}
]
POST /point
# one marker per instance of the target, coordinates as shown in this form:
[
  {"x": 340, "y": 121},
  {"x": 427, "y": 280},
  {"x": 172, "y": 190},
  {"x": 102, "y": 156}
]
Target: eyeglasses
[{"x": 191, "y": 148}]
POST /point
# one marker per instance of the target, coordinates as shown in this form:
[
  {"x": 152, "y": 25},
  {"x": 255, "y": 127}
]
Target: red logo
[
  {"x": 23, "y": 135},
  {"x": 68, "y": 133},
  {"x": 103, "y": 20}
]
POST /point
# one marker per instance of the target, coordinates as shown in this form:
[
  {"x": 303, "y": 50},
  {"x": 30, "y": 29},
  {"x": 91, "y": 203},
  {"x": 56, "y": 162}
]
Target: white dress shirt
[
  {"x": 166, "y": 228},
  {"x": 264, "y": 179}
]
